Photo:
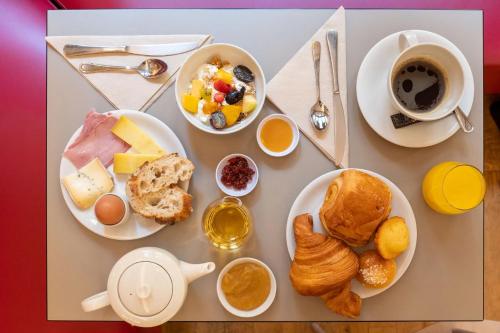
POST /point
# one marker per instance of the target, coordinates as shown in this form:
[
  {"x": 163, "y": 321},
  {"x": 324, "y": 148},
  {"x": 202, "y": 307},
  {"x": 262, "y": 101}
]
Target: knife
[
  {"x": 340, "y": 123},
  {"x": 142, "y": 49}
]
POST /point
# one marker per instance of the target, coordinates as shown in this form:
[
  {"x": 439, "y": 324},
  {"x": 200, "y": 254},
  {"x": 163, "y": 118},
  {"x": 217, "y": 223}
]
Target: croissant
[
  {"x": 321, "y": 263},
  {"x": 354, "y": 206},
  {"x": 343, "y": 301}
]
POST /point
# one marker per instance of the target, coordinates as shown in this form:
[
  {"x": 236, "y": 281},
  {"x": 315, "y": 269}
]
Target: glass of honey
[
  {"x": 277, "y": 135},
  {"x": 453, "y": 188},
  {"x": 227, "y": 223}
]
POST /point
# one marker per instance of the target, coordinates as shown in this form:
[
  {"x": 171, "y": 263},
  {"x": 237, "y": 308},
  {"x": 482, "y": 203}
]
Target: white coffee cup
[{"x": 440, "y": 57}]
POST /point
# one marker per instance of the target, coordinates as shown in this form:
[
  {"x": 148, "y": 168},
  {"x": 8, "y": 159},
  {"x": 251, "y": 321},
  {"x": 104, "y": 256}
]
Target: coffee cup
[{"x": 426, "y": 80}]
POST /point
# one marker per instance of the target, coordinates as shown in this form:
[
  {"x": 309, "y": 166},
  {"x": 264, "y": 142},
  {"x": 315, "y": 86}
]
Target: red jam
[{"x": 236, "y": 173}]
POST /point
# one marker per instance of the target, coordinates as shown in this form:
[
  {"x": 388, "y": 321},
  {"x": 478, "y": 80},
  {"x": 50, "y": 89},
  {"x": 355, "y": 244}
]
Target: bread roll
[{"x": 153, "y": 189}]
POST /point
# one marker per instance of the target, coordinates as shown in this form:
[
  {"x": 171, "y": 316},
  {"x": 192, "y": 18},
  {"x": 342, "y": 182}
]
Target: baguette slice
[{"x": 153, "y": 191}]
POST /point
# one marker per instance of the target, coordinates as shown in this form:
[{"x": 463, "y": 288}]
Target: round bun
[
  {"x": 392, "y": 238},
  {"x": 375, "y": 271}
]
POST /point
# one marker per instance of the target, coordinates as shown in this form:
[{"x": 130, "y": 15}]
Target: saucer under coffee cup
[{"x": 426, "y": 80}]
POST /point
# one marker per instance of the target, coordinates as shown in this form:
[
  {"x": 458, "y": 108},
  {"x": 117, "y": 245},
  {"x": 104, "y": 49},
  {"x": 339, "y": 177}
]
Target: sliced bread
[{"x": 153, "y": 189}]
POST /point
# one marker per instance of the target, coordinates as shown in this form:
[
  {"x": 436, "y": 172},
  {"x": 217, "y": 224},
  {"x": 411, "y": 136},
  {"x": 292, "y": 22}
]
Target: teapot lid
[{"x": 145, "y": 288}]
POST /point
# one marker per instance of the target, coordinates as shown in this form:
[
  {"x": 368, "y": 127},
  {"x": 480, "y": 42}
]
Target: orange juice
[
  {"x": 453, "y": 188},
  {"x": 276, "y": 135}
]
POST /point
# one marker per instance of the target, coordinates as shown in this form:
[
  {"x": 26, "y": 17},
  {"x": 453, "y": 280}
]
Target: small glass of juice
[
  {"x": 227, "y": 223},
  {"x": 453, "y": 188}
]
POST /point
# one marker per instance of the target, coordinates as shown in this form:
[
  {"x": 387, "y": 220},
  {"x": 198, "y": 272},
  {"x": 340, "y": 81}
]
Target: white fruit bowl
[{"x": 236, "y": 56}]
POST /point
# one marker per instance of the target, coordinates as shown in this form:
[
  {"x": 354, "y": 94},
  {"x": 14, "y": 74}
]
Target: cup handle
[
  {"x": 95, "y": 302},
  {"x": 407, "y": 39}
]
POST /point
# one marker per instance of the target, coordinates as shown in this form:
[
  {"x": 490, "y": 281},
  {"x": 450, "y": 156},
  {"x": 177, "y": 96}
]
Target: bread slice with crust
[{"x": 153, "y": 189}]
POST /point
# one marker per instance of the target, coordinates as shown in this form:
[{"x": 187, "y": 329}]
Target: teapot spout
[{"x": 194, "y": 271}]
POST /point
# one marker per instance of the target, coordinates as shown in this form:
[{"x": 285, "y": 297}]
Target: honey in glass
[{"x": 227, "y": 223}]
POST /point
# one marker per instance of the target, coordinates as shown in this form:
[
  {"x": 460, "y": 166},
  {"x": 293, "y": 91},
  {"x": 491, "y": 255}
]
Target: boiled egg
[{"x": 110, "y": 209}]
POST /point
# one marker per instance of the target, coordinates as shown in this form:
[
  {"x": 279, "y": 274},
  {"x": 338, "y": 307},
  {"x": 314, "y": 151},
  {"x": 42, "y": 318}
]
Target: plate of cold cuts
[{"x": 88, "y": 170}]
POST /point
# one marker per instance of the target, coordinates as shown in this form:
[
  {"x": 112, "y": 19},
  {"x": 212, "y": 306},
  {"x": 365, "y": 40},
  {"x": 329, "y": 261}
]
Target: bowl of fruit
[{"x": 220, "y": 89}]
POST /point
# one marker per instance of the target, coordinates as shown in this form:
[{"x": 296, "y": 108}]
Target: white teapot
[{"x": 147, "y": 286}]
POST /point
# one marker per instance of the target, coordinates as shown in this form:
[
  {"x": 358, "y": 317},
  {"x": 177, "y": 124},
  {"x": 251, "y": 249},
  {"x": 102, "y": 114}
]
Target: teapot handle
[{"x": 95, "y": 302}]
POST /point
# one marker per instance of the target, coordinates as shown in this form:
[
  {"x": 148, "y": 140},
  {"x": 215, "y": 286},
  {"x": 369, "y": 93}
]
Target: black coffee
[{"x": 419, "y": 86}]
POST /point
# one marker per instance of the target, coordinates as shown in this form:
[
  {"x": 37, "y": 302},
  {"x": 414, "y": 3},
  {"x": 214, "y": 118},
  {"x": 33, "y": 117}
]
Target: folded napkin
[
  {"x": 293, "y": 89},
  {"x": 125, "y": 90}
]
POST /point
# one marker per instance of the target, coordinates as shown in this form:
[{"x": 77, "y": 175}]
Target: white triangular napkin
[
  {"x": 125, "y": 90},
  {"x": 293, "y": 89}
]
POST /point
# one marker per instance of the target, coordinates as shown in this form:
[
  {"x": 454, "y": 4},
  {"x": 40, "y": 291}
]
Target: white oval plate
[
  {"x": 136, "y": 226},
  {"x": 375, "y": 103},
  {"x": 310, "y": 201}
]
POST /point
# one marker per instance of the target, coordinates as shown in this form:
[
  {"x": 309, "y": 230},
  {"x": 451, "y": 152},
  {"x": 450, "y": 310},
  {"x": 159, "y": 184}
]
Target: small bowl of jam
[
  {"x": 246, "y": 287},
  {"x": 236, "y": 175}
]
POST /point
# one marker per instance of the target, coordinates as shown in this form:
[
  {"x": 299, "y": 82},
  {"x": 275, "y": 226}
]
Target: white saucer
[
  {"x": 375, "y": 103},
  {"x": 136, "y": 226}
]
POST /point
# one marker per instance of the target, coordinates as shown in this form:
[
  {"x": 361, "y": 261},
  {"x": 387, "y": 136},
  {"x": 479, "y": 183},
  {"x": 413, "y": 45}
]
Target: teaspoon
[
  {"x": 319, "y": 111},
  {"x": 463, "y": 120},
  {"x": 149, "y": 68}
]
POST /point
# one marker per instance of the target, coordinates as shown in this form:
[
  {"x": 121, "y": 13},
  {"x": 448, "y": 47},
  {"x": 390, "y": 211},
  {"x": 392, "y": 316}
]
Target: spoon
[
  {"x": 463, "y": 120},
  {"x": 319, "y": 111},
  {"x": 149, "y": 68}
]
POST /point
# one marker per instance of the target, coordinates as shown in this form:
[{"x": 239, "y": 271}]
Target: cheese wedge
[
  {"x": 128, "y": 163},
  {"x": 129, "y": 132},
  {"x": 88, "y": 183}
]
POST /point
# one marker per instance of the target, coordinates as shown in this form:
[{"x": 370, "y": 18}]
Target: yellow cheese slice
[
  {"x": 88, "y": 183},
  {"x": 129, "y": 132},
  {"x": 128, "y": 162}
]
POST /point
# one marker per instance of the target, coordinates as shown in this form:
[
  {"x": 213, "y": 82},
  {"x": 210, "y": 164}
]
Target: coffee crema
[{"x": 419, "y": 86}]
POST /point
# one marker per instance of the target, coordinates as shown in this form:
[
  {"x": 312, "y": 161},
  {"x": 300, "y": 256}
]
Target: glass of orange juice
[{"x": 453, "y": 188}]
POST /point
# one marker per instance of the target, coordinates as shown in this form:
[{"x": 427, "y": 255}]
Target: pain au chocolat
[{"x": 354, "y": 206}]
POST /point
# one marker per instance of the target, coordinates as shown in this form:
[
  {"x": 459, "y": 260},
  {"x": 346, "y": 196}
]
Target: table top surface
[{"x": 445, "y": 279}]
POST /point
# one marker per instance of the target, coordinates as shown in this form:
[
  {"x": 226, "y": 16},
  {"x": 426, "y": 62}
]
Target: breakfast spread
[
  {"x": 110, "y": 209},
  {"x": 236, "y": 173},
  {"x": 354, "y": 206},
  {"x": 154, "y": 192},
  {"x": 88, "y": 183},
  {"x": 227, "y": 223},
  {"x": 96, "y": 140},
  {"x": 246, "y": 286},
  {"x": 333, "y": 265},
  {"x": 374, "y": 270},
  {"x": 221, "y": 94}
]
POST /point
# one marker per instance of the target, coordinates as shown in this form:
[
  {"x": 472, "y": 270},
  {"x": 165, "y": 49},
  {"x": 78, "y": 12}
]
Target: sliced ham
[{"x": 96, "y": 140}]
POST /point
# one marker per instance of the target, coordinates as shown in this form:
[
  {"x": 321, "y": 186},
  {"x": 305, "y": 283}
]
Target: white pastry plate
[
  {"x": 375, "y": 103},
  {"x": 310, "y": 201},
  {"x": 136, "y": 226}
]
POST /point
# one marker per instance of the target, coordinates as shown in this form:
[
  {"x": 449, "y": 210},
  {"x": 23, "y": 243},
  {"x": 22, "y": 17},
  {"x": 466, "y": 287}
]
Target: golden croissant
[
  {"x": 354, "y": 206},
  {"x": 343, "y": 301},
  {"x": 324, "y": 266}
]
